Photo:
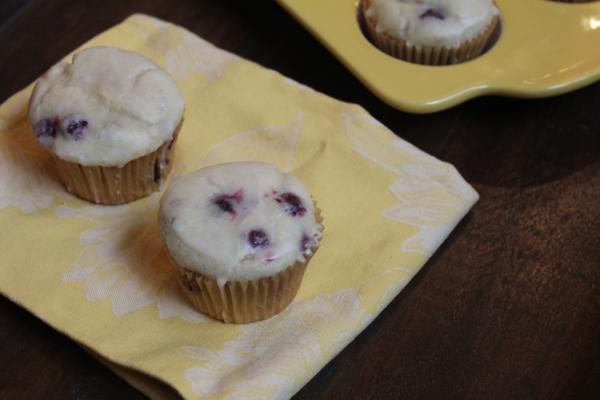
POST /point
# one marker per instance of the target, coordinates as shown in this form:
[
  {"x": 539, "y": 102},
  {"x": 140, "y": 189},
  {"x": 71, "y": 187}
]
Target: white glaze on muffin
[
  {"x": 238, "y": 221},
  {"x": 106, "y": 108},
  {"x": 435, "y": 23}
]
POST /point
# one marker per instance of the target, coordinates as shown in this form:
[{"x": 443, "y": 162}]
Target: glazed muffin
[
  {"x": 431, "y": 32},
  {"x": 109, "y": 118},
  {"x": 240, "y": 236}
]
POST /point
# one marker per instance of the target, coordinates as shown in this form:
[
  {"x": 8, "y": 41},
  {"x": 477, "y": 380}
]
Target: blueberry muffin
[
  {"x": 431, "y": 32},
  {"x": 109, "y": 118},
  {"x": 240, "y": 236}
]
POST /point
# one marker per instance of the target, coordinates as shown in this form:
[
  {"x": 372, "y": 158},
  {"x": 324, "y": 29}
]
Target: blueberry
[
  {"x": 292, "y": 204},
  {"x": 75, "y": 128},
  {"x": 157, "y": 171},
  {"x": 45, "y": 128},
  {"x": 258, "y": 238},
  {"x": 307, "y": 244},
  {"x": 432, "y": 13},
  {"x": 224, "y": 203},
  {"x": 227, "y": 202}
]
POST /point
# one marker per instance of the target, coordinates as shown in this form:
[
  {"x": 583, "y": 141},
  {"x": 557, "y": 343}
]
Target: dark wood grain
[{"x": 508, "y": 308}]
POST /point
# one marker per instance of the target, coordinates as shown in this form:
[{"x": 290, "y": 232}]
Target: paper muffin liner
[
  {"x": 244, "y": 302},
  {"x": 426, "y": 55},
  {"x": 117, "y": 185}
]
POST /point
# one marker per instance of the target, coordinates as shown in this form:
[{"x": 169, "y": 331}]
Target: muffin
[
  {"x": 109, "y": 120},
  {"x": 430, "y": 32},
  {"x": 240, "y": 236}
]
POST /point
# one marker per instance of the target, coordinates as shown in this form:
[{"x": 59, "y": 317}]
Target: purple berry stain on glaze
[
  {"x": 177, "y": 202},
  {"x": 433, "y": 13},
  {"x": 258, "y": 238},
  {"x": 292, "y": 204},
  {"x": 227, "y": 202}
]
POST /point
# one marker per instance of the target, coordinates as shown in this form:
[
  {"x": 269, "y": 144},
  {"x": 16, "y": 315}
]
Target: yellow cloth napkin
[{"x": 100, "y": 275}]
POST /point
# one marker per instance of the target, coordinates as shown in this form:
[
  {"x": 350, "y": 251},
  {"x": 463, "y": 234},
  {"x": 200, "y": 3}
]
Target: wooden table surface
[{"x": 508, "y": 307}]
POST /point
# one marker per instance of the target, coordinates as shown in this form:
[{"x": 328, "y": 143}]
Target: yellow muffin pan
[{"x": 545, "y": 48}]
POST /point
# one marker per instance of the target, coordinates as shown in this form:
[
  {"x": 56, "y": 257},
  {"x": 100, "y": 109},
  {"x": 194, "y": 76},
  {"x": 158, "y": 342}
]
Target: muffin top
[
  {"x": 238, "y": 221},
  {"x": 106, "y": 108},
  {"x": 434, "y": 23}
]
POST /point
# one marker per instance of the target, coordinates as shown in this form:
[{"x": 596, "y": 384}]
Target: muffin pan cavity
[
  {"x": 576, "y": 1},
  {"x": 553, "y": 55},
  {"x": 436, "y": 57}
]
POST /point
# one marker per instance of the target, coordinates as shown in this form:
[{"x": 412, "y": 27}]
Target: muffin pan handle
[{"x": 545, "y": 48}]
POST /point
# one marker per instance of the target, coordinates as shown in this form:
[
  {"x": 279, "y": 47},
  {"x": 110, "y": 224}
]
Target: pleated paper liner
[
  {"x": 117, "y": 185},
  {"x": 244, "y": 302},
  {"x": 427, "y": 55}
]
